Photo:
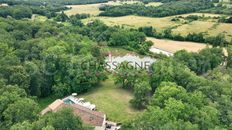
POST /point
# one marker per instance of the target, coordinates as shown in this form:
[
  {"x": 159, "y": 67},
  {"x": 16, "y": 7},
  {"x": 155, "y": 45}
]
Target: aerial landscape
[{"x": 116, "y": 64}]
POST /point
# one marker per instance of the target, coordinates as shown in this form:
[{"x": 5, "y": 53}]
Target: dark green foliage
[
  {"x": 17, "y": 12},
  {"x": 229, "y": 57},
  {"x": 203, "y": 61},
  {"x": 195, "y": 37},
  {"x": 166, "y": 9},
  {"x": 52, "y": 2},
  {"x": 219, "y": 10},
  {"x": 38, "y": 61},
  {"x": 225, "y": 20},
  {"x": 130, "y": 39},
  {"x": 26, "y": 11},
  {"x": 63, "y": 119},
  {"x": 218, "y": 40},
  {"x": 62, "y": 17},
  {"x": 149, "y": 31}
]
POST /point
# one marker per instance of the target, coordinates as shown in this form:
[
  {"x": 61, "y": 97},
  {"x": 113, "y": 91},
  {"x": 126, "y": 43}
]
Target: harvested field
[{"x": 174, "y": 46}]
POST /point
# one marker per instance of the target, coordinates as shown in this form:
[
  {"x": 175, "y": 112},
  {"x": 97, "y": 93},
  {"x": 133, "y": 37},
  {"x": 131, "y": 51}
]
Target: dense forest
[
  {"x": 166, "y": 9},
  {"x": 44, "y": 58},
  {"x": 187, "y": 91},
  {"x": 52, "y": 2}
]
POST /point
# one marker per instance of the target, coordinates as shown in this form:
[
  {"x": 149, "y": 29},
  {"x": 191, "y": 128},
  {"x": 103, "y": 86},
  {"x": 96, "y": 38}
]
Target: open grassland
[
  {"x": 195, "y": 26},
  {"x": 174, "y": 46},
  {"x": 92, "y": 9},
  {"x": 223, "y": 28},
  {"x": 113, "y": 101},
  {"x": 154, "y": 4},
  {"x": 136, "y": 21}
]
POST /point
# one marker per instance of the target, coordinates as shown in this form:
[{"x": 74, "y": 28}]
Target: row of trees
[
  {"x": 166, "y": 9},
  {"x": 52, "y": 2},
  {"x": 218, "y": 40},
  {"x": 24, "y": 11},
  {"x": 219, "y": 9},
  {"x": 175, "y": 97}
]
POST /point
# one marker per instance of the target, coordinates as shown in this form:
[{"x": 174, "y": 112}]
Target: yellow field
[
  {"x": 92, "y": 9},
  {"x": 200, "y": 14},
  {"x": 195, "y": 26},
  {"x": 174, "y": 46},
  {"x": 154, "y": 4},
  {"x": 223, "y": 28},
  {"x": 136, "y": 21}
]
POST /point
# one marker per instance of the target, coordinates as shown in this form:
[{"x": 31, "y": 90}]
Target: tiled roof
[{"x": 90, "y": 117}]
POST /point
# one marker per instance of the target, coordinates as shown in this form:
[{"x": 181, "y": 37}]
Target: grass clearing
[
  {"x": 40, "y": 18},
  {"x": 44, "y": 102},
  {"x": 116, "y": 51},
  {"x": 154, "y": 4},
  {"x": 174, "y": 46},
  {"x": 113, "y": 101},
  {"x": 92, "y": 9},
  {"x": 108, "y": 98}
]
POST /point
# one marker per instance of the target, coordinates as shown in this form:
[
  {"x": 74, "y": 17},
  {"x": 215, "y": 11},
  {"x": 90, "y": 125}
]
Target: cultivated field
[
  {"x": 136, "y": 21},
  {"x": 92, "y": 9},
  {"x": 174, "y": 46}
]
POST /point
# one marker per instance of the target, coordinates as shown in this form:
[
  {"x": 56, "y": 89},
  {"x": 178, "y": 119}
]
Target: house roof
[{"x": 90, "y": 117}]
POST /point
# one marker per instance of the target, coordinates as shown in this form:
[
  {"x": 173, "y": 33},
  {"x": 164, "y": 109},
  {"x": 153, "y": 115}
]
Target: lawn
[
  {"x": 113, "y": 101},
  {"x": 116, "y": 51},
  {"x": 108, "y": 98}
]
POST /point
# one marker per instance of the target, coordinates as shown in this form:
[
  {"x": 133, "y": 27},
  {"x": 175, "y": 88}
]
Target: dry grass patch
[
  {"x": 92, "y": 9},
  {"x": 154, "y": 4},
  {"x": 174, "y": 46},
  {"x": 194, "y": 27},
  {"x": 222, "y": 28},
  {"x": 201, "y": 14},
  {"x": 137, "y": 21}
]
